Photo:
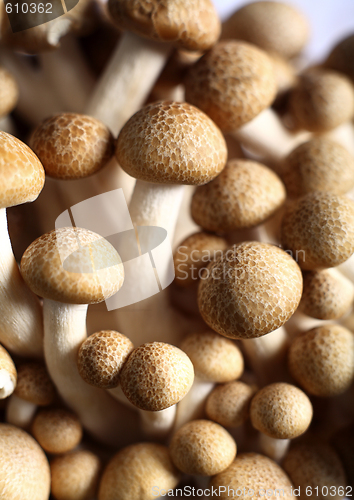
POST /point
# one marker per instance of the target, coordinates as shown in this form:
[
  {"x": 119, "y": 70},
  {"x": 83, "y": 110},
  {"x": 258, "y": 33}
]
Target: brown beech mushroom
[
  {"x": 341, "y": 57},
  {"x": 202, "y": 448},
  {"x": 8, "y": 92},
  {"x": 322, "y": 360},
  {"x": 24, "y": 467},
  {"x": 8, "y": 374}
]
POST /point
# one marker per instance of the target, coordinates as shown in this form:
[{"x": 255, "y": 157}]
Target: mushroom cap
[
  {"x": 194, "y": 253},
  {"x": 244, "y": 195},
  {"x": 102, "y": 356},
  {"x": 273, "y": 26},
  {"x": 327, "y": 294},
  {"x": 341, "y": 57},
  {"x": 215, "y": 358},
  {"x": 281, "y": 411},
  {"x": 193, "y": 26},
  {"x": 57, "y": 430},
  {"x": 253, "y": 289},
  {"x": 21, "y": 172},
  {"x": 318, "y": 165},
  {"x": 229, "y": 404},
  {"x": 285, "y": 74},
  {"x": 318, "y": 230},
  {"x": 232, "y": 83},
  {"x": 322, "y": 360},
  {"x": 322, "y": 100},
  {"x": 34, "y": 384},
  {"x": 72, "y": 265},
  {"x": 75, "y": 475},
  {"x": 251, "y": 472},
  {"x": 156, "y": 376},
  {"x": 135, "y": 470},
  {"x": 8, "y": 92},
  {"x": 202, "y": 448},
  {"x": 8, "y": 374},
  {"x": 72, "y": 146},
  {"x": 24, "y": 467},
  {"x": 315, "y": 465},
  {"x": 171, "y": 143}
]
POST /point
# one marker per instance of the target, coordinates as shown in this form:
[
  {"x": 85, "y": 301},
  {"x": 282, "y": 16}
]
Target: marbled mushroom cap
[
  {"x": 253, "y": 289},
  {"x": 229, "y": 404},
  {"x": 24, "y": 467},
  {"x": 318, "y": 229},
  {"x": 341, "y": 57},
  {"x": 8, "y": 92},
  {"x": 192, "y": 25},
  {"x": 322, "y": 360},
  {"x": 34, "y": 384},
  {"x": 21, "y": 172},
  {"x": 72, "y": 265},
  {"x": 244, "y": 195},
  {"x": 171, "y": 143},
  {"x": 232, "y": 83},
  {"x": 72, "y": 146},
  {"x": 156, "y": 376}
]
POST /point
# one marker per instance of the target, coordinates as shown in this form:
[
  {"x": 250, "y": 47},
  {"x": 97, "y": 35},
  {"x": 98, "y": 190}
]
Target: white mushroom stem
[
  {"x": 7, "y": 384},
  {"x": 347, "y": 268},
  {"x": 273, "y": 448},
  {"x": 101, "y": 415},
  {"x": 192, "y": 405},
  {"x": 21, "y": 327},
  {"x": 20, "y": 412},
  {"x": 7, "y": 125}
]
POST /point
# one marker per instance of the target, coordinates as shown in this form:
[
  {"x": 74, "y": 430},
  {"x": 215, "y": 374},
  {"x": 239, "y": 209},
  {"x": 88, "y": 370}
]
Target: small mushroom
[
  {"x": 322, "y": 360},
  {"x": 8, "y": 92},
  {"x": 202, "y": 448},
  {"x": 8, "y": 374},
  {"x": 342, "y": 56}
]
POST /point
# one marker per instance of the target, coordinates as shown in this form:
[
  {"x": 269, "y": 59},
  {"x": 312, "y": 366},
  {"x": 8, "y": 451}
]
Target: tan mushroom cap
[
  {"x": 156, "y": 376},
  {"x": 72, "y": 146},
  {"x": 244, "y": 195},
  {"x": 341, "y": 57},
  {"x": 102, "y": 356},
  {"x": 8, "y": 92},
  {"x": 250, "y": 291},
  {"x": 322, "y": 360},
  {"x": 193, "y": 254},
  {"x": 92, "y": 269},
  {"x": 318, "y": 230},
  {"x": 232, "y": 83},
  {"x": 194, "y": 25},
  {"x": 327, "y": 294},
  {"x": 21, "y": 172},
  {"x": 24, "y": 467},
  {"x": 202, "y": 448},
  {"x": 285, "y": 74},
  {"x": 315, "y": 466},
  {"x": 134, "y": 471},
  {"x": 322, "y": 100},
  {"x": 281, "y": 411},
  {"x": 57, "y": 430},
  {"x": 229, "y": 404},
  {"x": 273, "y": 26},
  {"x": 215, "y": 358},
  {"x": 75, "y": 475},
  {"x": 251, "y": 473},
  {"x": 34, "y": 384},
  {"x": 318, "y": 165},
  {"x": 8, "y": 374},
  {"x": 171, "y": 143}
]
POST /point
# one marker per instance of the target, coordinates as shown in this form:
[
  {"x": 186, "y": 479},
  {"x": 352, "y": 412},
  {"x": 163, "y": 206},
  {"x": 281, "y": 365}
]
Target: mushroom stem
[
  {"x": 20, "y": 412},
  {"x": 21, "y": 329},
  {"x": 192, "y": 405},
  {"x": 158, "y": 424},
  {"x": 273, "y": 448},
  {"x": 8, "y": 374}
]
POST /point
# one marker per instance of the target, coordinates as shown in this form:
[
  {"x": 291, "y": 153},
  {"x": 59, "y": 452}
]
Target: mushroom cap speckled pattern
[
  {"x": 319, "y": 230},
  {"x": 318, "y": 165},
  {"x": 252, "y": 471},
  {"x": 156, "y": 376},
  {"x": 134, "y": 471},
  {"x": 250, "y": 291},
  {"x": 102, "y": 356},
  {"x": 8, "y": 92},
  {"x": 244, "y": 195},
  {"x": 171, "y": 143},
  {"x": 192, "y": 25},
  {"x": 72, "y": 265},
  {"x": 281, "y": 411},
  {"x": 24, "y": 467},
  {"x": 315, "y": 465},
  {"x": 322, "y": 360},
  {"x": 21, "y": 172},
  {"x": 215, "y": 358},
  {"x": 202, "y": 448},
  {"x": 229, "y": 404},
  {"x": 34, "y": 384},
  {"x": 232, "y": 83},
  {"x": 273, "y": 26},
  {"x": 342, "y": 57},
  {"x": 72, "y": 146}
]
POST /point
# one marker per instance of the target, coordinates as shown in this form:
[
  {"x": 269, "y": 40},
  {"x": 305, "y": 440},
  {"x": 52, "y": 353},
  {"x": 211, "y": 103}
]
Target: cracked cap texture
[{"x": 34, "y": 384}]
